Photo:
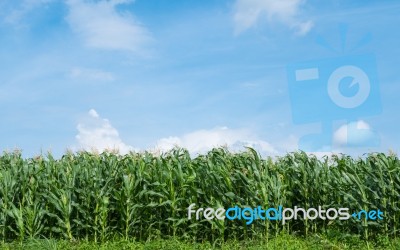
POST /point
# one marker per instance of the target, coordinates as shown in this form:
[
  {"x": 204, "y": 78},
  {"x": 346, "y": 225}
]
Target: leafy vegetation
[
  {"x": 142, "y": 196},
  {"x": 281, "y": 241}
]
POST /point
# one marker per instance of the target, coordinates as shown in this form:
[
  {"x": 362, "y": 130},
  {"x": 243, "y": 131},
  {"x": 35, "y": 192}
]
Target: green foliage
[
  {"x": 142, "y": 196},
  {"x": 281, "y": 241}
]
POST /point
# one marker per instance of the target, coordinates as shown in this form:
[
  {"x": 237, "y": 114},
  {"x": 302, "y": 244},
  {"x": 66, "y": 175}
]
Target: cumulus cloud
[
  {"x": 249, "y": 12},
  {"x": 201, "y": 141},
  {"x": 355, "y": 134},
  {"x": 97, "y": 134},
  {"x": 101, "y": 26}
]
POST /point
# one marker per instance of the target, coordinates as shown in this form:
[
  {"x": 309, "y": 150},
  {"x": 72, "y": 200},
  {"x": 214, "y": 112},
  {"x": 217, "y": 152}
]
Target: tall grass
[{"x": 140, "y": 195}]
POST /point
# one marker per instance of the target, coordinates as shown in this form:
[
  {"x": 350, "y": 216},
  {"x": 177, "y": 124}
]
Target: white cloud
[
  {"x": 93, "y": 113},
  {"x": 26, "y": 6},
  {"x": 201, "y": 141},
  {"x": 355, "y": 134},
  {"x": 97, "y": 134},
  {"x": 288, "y": 144},
  {"x": 291, "y": 144},
  {"x": 102, "y": 26},
  {"x": 249, "y": 12},
  {"x": 91, "y": 74}
]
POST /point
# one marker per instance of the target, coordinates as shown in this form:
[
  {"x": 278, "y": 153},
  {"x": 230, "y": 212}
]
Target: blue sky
[{"x": 151, "y": 74}]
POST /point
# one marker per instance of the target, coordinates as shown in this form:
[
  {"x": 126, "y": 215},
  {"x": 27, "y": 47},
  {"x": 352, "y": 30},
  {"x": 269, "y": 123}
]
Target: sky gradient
[{"x": 151, "y": 74}]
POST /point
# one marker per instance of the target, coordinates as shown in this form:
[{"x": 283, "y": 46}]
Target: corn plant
[{"x": 143, "y": 196}]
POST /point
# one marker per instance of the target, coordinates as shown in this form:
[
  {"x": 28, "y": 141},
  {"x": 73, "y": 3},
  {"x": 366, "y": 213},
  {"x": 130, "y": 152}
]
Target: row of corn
[{"x": 142, "y": 196}]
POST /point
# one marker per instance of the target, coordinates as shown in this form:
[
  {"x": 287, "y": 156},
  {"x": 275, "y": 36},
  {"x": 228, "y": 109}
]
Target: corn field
[{"x": 141, "y": 195}]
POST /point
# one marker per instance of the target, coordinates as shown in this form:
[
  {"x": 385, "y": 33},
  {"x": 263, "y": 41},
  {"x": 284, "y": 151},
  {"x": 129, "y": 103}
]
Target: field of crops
[{"x": 143, "y": 196}]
